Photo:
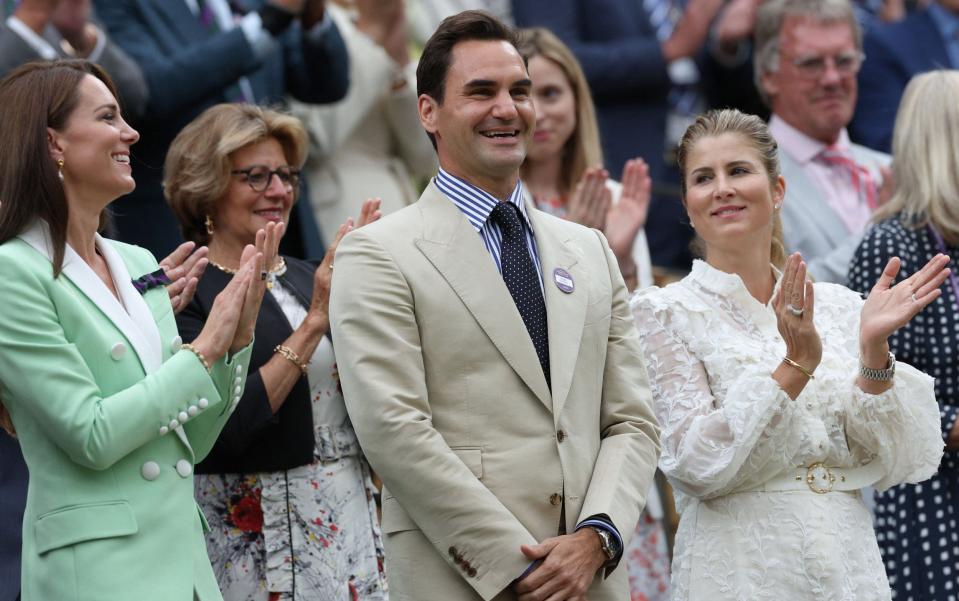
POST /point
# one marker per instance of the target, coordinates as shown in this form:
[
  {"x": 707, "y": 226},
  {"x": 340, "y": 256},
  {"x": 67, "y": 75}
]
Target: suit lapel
[
  {"x": 565, "y": 313},
  {"x": 457, "y": 252},
  {"x": 807, "y": 202}
]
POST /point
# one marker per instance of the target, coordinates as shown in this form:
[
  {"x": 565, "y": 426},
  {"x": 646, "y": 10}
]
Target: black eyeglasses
[{"x": 259, "y": 177}]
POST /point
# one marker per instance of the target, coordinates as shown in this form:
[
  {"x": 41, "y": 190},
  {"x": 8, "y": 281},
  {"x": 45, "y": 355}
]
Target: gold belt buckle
[{"x": 820, "y": 478}]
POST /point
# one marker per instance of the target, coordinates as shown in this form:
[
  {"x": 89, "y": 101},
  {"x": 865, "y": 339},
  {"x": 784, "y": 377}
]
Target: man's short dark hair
[{"x": 435, "y": 61}]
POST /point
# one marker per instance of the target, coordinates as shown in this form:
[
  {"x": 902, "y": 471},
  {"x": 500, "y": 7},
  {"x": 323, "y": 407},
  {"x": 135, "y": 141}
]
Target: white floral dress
[
  {"x": 728, "y": 428},
  {"x": 309, "y": 533}
]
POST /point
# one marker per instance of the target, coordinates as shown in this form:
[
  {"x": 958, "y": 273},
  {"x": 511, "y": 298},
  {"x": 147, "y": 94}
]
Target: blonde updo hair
[
  {"x": 925, "y": 143},
  {"x": 752, "y": 129},
  {"x": 196, "y": 174}
]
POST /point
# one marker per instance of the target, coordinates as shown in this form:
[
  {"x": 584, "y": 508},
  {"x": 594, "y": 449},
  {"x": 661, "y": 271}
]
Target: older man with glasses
[{"x": 807, "y": 55}]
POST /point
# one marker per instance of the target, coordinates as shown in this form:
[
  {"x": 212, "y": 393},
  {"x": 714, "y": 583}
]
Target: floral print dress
[{"x": 309, "y": 533}]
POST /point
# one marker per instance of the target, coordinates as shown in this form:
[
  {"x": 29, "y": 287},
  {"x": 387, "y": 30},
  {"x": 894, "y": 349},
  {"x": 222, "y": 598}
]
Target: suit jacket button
[
  {"x": 119, "y": 349},
  {"x": 202, "y": 403},
  {"x": 163, "y": 430},
  {"x": 150, "y": 471},
  {"x": 184, "y": 468},
  {"x": 555, "y": 499},
  {"x": 560, "y": 436},
  {"x": 452, "y": 551},
  {"x": 471, "y": 572},
  {"x": 174, "y": 424},
  {"x": 183, "y": 417}
]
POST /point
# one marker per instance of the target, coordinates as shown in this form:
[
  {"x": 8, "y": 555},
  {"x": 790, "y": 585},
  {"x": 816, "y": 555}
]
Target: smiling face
[
  {"x": 729, "y": 198},
  {"x": 555, "y": 104},
  {"x": 95, "y": 146},
  {"x": 486, "y": 119},
  {"x": 243, "y": 212},
  {"x": 821, "y": 106}
]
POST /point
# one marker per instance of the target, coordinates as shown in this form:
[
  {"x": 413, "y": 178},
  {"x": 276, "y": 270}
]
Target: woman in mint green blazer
[{"x": 111, "y": 411}]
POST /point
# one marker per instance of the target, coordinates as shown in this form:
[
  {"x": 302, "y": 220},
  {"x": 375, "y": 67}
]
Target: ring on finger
[
  {"x": 263, "y": 275},
  {"x": 797, "y": 311},
  {"x": 913, "y": 297}
]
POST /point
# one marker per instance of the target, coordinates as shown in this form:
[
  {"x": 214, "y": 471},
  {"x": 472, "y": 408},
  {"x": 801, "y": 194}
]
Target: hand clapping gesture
[
  {"x": 267, "y": 248},
  {"x": 323, "y": 277},
  {"x": 184, "y": 266},
  {"x": 889, "y": 307},
  {"x": 628, "y": 216},
  {"x": 591, "y": 199},
  {"x": 794, "y": 304}
]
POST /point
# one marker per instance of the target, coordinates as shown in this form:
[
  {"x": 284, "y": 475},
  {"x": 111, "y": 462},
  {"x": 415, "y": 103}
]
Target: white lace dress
[{"x": 728, "y": 428}]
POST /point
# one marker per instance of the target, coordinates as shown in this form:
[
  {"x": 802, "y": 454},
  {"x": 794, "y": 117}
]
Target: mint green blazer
[{"x": 111, "y": 416}]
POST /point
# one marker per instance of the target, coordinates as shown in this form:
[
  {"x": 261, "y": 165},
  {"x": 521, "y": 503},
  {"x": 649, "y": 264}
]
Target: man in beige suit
[{"x": 488, "y": 359}]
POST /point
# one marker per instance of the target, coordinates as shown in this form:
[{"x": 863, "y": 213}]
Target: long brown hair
[
  {"x": 583, "y": 149},
  {"x": 753, "y": 130},
  {"x": 34, "y": 97}
]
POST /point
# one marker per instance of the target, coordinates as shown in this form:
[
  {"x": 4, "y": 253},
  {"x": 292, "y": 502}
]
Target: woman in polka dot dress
[{"x": 916, "y": 523}]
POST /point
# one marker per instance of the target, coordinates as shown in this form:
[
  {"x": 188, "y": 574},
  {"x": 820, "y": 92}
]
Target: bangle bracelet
[
  {"x": 805, "y": 371},
  {"x": 291, "y": 356},
  {"x": 199, "y": 355}
]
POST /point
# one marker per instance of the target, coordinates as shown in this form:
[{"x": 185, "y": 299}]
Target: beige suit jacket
[{"x": 452, "y": 409}]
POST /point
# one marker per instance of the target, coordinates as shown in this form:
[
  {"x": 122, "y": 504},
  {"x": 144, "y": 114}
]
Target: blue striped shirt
[{"x": 477, "y": 205}]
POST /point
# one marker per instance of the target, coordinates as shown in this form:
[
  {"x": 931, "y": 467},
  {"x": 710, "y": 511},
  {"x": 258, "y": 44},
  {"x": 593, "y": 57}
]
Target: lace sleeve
[
  {"x": 900, "y": 427},
  {"x": 712, "y": 446}
]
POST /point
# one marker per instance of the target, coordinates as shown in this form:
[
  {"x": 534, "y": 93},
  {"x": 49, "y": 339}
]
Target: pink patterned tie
[{"x": 862, "y": 179}]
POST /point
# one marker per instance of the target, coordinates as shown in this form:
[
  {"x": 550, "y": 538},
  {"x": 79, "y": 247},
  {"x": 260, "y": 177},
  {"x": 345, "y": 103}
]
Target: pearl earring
[
  {"x": 208, "y": 222},
  {"x": 60, "y": 169}
]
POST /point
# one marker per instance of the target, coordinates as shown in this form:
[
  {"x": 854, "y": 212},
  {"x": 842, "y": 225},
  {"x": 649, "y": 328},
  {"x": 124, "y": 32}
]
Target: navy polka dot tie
[{"x": 522, "y": 279}]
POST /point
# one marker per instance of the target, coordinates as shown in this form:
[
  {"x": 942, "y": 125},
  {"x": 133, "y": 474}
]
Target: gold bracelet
[
  {"x": 291, "y": 356},
  {"x": 199, "y": 355},
  {"x": 805, "y": 371}
]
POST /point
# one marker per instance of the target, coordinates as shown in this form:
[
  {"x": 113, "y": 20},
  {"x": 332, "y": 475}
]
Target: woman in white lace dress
[{"x": 778, "y": 398}]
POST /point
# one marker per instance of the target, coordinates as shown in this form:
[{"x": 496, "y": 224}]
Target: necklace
[{"x": 275, "y": 272}]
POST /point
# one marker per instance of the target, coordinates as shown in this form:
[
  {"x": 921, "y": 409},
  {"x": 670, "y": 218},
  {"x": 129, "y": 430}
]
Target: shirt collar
[
  {"x": 476, "y": 203},
  {"x": 729, "y": 285},
  {"x": 946, "y": 21},
  {"x": 798, "y": 145}
]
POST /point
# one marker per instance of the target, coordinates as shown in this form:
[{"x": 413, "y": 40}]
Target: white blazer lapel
[
  {"x": 147, "y": 345},
  {"x": 137, "y": 326}
]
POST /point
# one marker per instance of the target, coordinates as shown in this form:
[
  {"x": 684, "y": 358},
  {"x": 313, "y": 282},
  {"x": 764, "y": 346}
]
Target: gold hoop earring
[
  {"x": 208, "y": 222},
  {"x": 60, "y": 169}
]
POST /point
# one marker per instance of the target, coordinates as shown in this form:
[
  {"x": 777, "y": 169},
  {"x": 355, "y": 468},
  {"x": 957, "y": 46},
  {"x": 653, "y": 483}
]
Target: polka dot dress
[{"x": 916, "y": 523}]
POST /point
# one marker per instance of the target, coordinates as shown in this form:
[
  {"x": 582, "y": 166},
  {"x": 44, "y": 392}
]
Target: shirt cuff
[
  {"x": 599, "y": 521},
  {"x": 259, "y": 39}
]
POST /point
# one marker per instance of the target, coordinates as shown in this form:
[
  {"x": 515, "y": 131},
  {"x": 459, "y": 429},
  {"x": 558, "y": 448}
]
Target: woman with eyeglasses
[{"x": 285, "y": 489}]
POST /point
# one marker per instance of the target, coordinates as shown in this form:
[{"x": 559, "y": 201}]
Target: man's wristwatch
[{"x": 609, "y": 546}]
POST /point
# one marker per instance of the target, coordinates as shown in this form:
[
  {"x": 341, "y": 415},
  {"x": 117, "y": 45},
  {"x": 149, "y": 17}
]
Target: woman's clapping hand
[
  {"x": 219, "y": 332},
  {"x": 591, "y": 199},
  {"x": 889, "y": 307},
  {"x": 323, "y": 277},
  {"x": 794, "y": 304}
]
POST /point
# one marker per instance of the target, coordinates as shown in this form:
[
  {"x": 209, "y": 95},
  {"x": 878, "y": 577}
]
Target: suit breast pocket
[{"x": 80, "y": 523}]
